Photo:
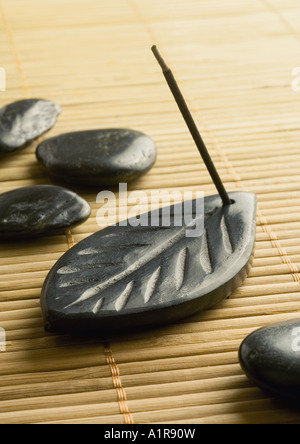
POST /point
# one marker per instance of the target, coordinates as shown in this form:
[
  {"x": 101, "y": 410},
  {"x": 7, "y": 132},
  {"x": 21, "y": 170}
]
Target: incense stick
[{"x": 192, "y": 127}]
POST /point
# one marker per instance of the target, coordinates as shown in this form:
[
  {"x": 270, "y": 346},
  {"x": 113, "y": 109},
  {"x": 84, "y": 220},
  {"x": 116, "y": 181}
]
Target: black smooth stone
[
  {"x": 24, "y": 121},
  {"x": 39, "y": 210},
  {"x": 126, "y": 276},
  {"x": 270, "y": 357},
  {"x": 99, "y": 157}
]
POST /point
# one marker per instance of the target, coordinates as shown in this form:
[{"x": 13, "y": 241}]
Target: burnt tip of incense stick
[{"x": 159, "y": 58}]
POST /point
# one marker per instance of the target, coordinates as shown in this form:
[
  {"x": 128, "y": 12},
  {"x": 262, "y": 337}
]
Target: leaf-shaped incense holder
[{"x": 124, "y": 277}]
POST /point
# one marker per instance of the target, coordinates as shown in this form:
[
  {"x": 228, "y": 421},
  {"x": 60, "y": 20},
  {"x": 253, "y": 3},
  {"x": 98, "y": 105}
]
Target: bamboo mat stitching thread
[
  {"x": 237, "y": 179},
  {"x": 15, "y": 51},
  {"x": 282, "y": 19},
  {"x": 264, "y": 223},
  {"x": 116, "y": 377},
  {"x": 25, "y": 87},
  {"x": 69, "y": 237},
  {"x": 141, "y": 18},
  {"x": 262, "y": 219}
]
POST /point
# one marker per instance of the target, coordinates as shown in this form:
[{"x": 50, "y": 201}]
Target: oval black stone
[
  {"x": 98, "y": 157},
  {"x": 270, "y": 357},
  {"x": 38, "y": 210},
  {"x": 24, "y": 121}
]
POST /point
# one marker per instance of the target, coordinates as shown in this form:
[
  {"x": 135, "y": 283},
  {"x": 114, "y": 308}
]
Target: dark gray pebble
[
  {"x": 270, "y": 357},
  {"x": 98, "y": 157},
  {"x": 38, "y": 210},
  {"x": 24, "y": 121}
]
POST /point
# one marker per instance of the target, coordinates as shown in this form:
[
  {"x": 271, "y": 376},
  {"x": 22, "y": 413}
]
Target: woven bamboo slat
[{"x": 234, "y": 63}]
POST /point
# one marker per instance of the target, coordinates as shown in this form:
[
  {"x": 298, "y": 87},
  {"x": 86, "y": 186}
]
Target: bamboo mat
[{"x": 233, "y": 61}]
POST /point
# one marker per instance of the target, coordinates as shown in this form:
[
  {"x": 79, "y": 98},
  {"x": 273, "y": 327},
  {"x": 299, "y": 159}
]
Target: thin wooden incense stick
[{"x": 192, "y": 126}]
